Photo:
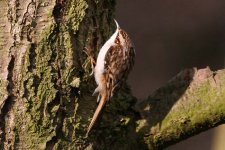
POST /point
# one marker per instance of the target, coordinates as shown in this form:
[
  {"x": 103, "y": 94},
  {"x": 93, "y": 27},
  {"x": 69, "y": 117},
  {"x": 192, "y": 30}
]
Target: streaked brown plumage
[{"x": 114, "y": 62}]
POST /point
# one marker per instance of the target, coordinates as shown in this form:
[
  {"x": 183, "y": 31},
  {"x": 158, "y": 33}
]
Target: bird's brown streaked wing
[{"x": 117, "y": 66}]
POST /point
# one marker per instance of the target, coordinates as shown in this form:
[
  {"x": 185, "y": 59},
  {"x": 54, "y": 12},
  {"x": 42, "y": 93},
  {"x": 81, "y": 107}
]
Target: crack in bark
[
  {"x": 7, "y": 106},
  {"x": 28, "y": 24},
  {"x": 58, "y": 11}
]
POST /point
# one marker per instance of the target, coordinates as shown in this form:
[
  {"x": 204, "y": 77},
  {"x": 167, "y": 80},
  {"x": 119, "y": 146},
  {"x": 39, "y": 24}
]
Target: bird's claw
[{"x": 89, "y": 54}]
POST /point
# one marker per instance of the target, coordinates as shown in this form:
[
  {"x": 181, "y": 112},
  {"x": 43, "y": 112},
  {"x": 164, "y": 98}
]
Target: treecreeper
[{"x": 114, "y": 62}]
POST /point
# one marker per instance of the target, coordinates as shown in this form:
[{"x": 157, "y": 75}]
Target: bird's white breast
[{"x": 100, "y": 64}]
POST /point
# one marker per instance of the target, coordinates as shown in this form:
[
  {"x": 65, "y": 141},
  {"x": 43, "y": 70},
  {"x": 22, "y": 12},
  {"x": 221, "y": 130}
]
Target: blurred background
[{"x": 170, "y": 35}]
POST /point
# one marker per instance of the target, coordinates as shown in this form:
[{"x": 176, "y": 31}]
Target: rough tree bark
[{"x": 46, "y": 97}]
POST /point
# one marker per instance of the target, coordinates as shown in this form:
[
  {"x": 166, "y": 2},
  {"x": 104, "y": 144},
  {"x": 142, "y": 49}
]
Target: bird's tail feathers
[{"x": 101, "y": 104}]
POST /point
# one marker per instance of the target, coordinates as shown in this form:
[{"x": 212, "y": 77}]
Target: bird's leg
[{"x": 90, "y": 54}]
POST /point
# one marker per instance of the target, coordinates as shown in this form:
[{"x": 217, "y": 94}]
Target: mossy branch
[{"x": 192, "y": 102}]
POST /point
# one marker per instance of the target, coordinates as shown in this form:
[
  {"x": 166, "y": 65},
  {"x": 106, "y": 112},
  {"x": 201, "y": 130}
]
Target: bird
[{"x": 114, "y": 62}]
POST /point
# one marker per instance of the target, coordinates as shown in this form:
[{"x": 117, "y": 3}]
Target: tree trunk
[{"x": 46, "y": 89}]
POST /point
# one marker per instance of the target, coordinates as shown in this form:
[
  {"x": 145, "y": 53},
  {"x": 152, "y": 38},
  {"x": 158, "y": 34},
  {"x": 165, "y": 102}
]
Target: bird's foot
[{"x": 90, "y": 54}]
